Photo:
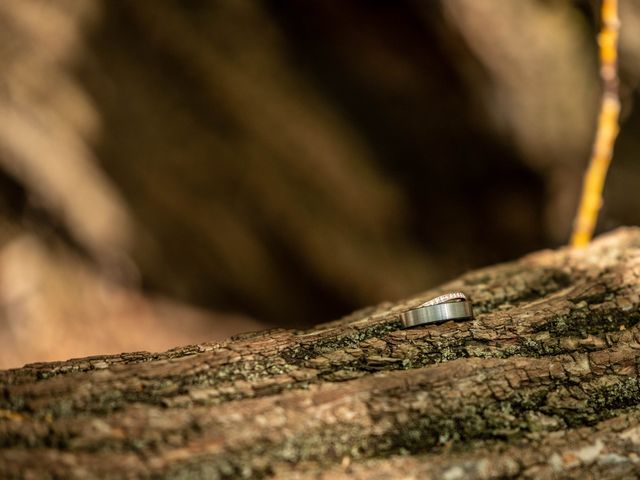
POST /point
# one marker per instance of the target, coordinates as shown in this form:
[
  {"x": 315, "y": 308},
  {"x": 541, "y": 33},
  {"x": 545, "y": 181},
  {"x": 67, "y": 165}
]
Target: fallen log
[{"x": 542, "y": 383}]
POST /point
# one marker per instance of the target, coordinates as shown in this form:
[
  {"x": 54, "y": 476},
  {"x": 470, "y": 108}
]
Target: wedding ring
[{"x": 451, "y": 306}]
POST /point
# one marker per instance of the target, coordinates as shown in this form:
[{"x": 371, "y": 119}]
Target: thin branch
[{"x": 607, "y": 131}]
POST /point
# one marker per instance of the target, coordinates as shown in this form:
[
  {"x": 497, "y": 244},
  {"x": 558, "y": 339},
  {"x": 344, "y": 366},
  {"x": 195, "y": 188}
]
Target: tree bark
[{"x": 542, "y": 383}]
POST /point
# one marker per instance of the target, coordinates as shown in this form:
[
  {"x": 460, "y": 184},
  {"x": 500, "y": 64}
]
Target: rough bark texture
[{"x": 542, "y": 383}]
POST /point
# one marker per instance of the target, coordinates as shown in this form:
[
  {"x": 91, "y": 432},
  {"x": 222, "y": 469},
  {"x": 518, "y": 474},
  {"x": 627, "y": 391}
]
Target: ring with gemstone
[{"x": 451, "y": 306}]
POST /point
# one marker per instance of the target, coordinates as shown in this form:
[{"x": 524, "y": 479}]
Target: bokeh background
[{"x": 178, "y": 171}]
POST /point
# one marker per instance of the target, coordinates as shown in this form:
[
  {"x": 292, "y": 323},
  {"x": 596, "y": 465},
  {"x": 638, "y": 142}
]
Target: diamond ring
[{"x": 451, "y": 306}]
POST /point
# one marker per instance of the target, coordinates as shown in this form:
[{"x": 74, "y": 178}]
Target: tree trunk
[{"x": 542, "y": 383}]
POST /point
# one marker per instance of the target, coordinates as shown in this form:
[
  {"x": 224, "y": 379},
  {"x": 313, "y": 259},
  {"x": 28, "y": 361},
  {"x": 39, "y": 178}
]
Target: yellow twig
[{"x": 591, "y": 199}]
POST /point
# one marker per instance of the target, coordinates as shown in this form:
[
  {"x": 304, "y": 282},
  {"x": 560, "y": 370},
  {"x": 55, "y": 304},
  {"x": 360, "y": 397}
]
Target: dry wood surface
[{"x": 543, "y": 383}]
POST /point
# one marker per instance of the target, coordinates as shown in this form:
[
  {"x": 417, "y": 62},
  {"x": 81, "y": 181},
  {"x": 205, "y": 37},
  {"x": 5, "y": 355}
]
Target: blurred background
[{"x": 178, "y": 171}]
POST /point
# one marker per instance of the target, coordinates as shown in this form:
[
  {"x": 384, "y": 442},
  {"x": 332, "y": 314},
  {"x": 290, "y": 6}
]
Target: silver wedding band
[{"x": 451, "y": 306}]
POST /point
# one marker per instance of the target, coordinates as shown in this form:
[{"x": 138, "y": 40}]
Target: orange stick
[{"x": 607, "y": 131}]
